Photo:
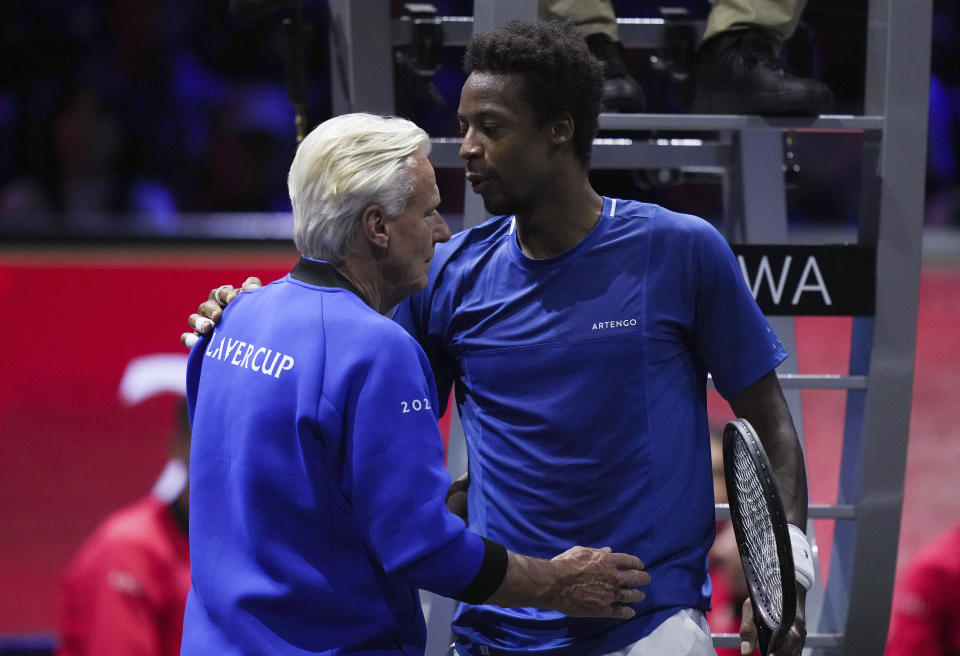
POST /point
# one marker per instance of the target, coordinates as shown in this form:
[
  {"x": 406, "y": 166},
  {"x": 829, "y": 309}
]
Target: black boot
[
  {"x": 621, "y": 91},
  {"x": 738, "y": 72}
]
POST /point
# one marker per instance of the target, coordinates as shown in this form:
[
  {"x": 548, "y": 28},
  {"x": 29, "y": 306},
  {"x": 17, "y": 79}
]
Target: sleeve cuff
[{"x": 492, "y": 571}]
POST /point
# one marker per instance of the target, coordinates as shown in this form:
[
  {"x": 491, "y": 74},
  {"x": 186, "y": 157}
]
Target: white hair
[{"x": 342, "y": 167}]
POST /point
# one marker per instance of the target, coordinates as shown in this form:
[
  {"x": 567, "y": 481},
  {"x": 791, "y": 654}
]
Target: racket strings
[{"x": 761, "y": 542}]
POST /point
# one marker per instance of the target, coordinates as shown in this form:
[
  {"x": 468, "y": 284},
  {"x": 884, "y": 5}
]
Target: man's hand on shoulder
[{"x": 208, "y": 314}]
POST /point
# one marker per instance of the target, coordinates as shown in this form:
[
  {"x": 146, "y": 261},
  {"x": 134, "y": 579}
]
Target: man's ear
[
  {"x": 561, "y": 130},
  {"x": 373, "y": 225}
]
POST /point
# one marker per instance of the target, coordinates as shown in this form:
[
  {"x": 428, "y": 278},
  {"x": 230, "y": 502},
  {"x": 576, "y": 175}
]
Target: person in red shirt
[
  {"x": 926, "y": 603},
  {"x": 125, "y": 590}
]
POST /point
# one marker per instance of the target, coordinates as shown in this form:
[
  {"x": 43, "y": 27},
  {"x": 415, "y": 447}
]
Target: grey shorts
[{"x": 685, "y": 633}]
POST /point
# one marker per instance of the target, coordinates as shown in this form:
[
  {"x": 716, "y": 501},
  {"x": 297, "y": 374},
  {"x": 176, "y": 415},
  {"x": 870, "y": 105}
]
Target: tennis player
[
  {"x": 317, "y": 504},
  {"x": 578, "y": 331}
]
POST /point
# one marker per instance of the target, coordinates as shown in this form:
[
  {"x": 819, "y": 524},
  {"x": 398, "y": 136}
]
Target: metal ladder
[{"x": 850, "y": 614}]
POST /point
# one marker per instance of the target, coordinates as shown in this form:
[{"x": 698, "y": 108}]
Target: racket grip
[{"x": 763, "y": 638}]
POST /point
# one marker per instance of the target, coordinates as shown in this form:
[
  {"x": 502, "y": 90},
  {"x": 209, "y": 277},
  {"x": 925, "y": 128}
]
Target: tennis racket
[{"x": 760, "y": 526}]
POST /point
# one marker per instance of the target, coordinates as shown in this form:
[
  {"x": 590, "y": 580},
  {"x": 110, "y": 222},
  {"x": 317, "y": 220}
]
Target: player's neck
[
  {"x": 561, "y": 220},
  {"x": 363, "y": 277}
]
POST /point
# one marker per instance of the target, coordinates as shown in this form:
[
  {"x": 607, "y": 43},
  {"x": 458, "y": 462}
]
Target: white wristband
[{"x": 802, "y": 556}]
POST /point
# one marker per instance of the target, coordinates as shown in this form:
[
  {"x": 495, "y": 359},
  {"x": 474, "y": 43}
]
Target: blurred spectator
[
  {"x": 156, "y": 77},
  {"x": 93, "y": 104},
  {"x": 926, "y": 604},
  {"x": 251, "y": 145},
  {"x": 81, "y": 168},
  {"x": 126, "y": 589},
  {"x": 123, "y": 108}
]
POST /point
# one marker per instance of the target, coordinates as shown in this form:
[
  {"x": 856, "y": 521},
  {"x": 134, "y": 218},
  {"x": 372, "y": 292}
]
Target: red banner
[{"x": 72, "y": 450}]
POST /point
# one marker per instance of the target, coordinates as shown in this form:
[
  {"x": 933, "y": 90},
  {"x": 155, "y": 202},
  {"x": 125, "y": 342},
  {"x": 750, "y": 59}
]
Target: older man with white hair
[{"x": 317, "y": 506}]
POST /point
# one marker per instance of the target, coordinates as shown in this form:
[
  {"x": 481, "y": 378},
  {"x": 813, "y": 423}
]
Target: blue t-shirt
[
  {"x": 581, "y": 383},
  {"x": 317, "y": 481}
]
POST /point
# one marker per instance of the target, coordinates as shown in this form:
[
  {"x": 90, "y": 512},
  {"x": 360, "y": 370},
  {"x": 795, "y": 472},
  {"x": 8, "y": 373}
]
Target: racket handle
[{"x": 763, "y": 638}]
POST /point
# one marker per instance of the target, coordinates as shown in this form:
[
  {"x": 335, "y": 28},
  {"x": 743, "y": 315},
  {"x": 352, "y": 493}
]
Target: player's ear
[
  {"x": 561, "y": 130},
  {"x": 373, "y": 225}
]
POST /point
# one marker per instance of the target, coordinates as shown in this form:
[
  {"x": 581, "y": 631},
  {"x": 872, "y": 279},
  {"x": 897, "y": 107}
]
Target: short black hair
[{"x": 558, "y": 71}]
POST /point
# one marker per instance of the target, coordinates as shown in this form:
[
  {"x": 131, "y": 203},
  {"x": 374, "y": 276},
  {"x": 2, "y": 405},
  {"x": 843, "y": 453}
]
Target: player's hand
[
  {"x": 598, "y": 583},
  {"x": 791, "y": 645},
  {"x": 208, "y": 314}
]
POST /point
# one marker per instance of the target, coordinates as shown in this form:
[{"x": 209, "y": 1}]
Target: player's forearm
[
  {"x": 764, "y": 406},
  {"x": 792, "y": 479},
  {"x": 786, "y": 458},
  {"x": 527, "y": 583}
]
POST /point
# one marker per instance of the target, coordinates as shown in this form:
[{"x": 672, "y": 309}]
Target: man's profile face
[
  {"x": 414, "y": 232},
  {"x": 508, "y": 156}
]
